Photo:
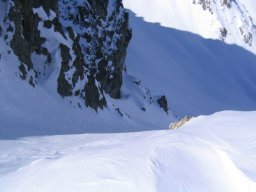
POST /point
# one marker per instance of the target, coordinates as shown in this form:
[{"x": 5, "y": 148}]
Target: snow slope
[
  {"x": 27, "y": 111},
  {"x": 230, "y": 21},
  {"x": 213, "y": 154},
  {"x": 198, "y": 75}
]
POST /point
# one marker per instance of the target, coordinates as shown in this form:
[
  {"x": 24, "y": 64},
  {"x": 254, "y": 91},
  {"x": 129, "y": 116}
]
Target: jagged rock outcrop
[
  {"x": 26, "y": 38},
  {"x": 104, "y": 26},
  {"x": 162, "y": 101},
  {"x": 206, "y": 4},
  {"x": 90, "y": 38}
]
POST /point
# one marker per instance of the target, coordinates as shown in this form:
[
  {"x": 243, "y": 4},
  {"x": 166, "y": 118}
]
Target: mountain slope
[
  {"x": 67, "y": 74},
  {"x": 167, "y": 74},
  {"x": 232, "y": 21},
  {"x": 71, "y": 56},
  {"x": 198, "y": 75},
  {"x": 215, "y": 153}
]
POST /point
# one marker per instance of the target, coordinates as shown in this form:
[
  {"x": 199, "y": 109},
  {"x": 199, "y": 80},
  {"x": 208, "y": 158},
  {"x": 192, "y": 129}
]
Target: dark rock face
[
  {"x": 227, "y": 3},
  {"x": 92, "y": 94},
  {"x": 64, "y": 88},
  {"x": 162, "y": 101},
  {"x": 223, "y": 33},
  {"x": 206, "y": 4},
  {"x": 26, "y": 38},
  {"x": 95, "y": 36},
  {"x": 107, "y": 36}
]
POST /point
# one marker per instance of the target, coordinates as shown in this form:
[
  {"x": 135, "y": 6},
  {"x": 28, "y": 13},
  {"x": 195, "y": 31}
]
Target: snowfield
[
  {"x": 213, "y": 154},
  {"x": 47, "y": 144}
]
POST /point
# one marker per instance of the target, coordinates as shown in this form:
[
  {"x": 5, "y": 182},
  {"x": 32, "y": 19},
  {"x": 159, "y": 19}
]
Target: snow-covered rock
[
  {"x": 232, "y": 21},
  {"x": 87, "y": 40},
  {"x": 73, "y": 51}
]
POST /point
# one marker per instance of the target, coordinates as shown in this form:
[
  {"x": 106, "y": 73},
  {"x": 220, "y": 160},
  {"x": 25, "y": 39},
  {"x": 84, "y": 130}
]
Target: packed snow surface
[{"x": 213, "y": 154}]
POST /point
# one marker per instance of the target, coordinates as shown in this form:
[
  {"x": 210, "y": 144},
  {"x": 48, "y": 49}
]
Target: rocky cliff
[{"x": 86, "y": 40}]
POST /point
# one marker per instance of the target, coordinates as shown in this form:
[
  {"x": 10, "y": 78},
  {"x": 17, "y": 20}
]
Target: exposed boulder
[{"x": 180, "y": 123}]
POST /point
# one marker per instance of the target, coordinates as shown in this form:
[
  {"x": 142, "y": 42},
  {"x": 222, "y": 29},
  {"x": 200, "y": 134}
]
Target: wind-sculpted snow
[{"x": 215, "y": 153}]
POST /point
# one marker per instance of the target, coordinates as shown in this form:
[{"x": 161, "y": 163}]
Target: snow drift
[{"x": 213, "y": 154}]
